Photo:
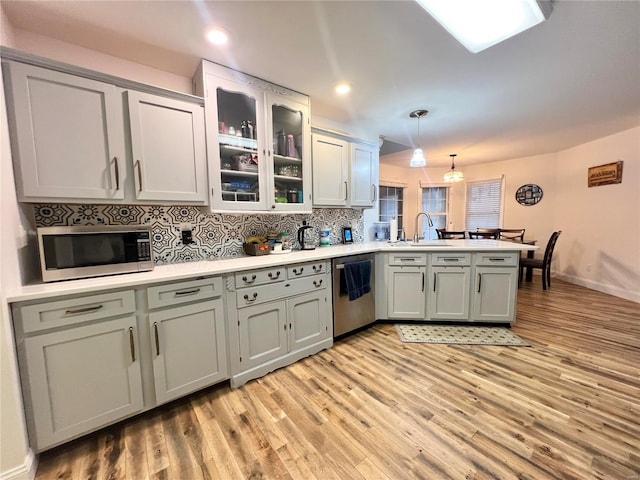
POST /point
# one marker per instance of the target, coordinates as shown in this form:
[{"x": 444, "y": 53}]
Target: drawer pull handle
[
  {"x": 407, "y": 259},
  {"x": 298, "y": 272},
  {"x": 277, "y": 275},
  {"x": 317, "y": 268},
  {"x": 247, "y": 299},
  {"x": 497, "y": 259},
  {"x": 317, "y": 283},
  {"x": 451, "y": 259},
  {"x": 77, "y": 311},
  {"x": 132, "y": 345},
  {"x": 245, "y": 280},
  {"x": 155, "y": 331},
  {"x": 183, "y": 293}
]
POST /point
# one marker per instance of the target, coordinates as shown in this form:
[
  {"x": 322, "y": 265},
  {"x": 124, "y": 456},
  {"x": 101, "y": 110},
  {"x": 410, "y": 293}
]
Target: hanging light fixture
[
  {"x": 453, "y": 175},
  {"x": 418, "y": 159}
]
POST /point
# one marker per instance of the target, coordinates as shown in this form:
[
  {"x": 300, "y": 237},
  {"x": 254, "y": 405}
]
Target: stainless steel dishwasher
[{"x": 351, "y": 315}]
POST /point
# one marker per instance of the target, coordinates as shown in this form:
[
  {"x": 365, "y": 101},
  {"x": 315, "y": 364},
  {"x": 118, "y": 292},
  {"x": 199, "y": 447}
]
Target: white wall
[
  {"x": 600, "y": 242},
  {"x": 16, "y": 458},
  {"x": 600, "y": 225}
]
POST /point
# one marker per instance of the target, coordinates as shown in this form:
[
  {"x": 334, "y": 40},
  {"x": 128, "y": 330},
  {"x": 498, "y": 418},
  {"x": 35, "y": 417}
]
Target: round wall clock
[{"x": 529, "y": 194}]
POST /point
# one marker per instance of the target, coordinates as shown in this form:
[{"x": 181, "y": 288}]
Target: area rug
[{"x": 459, "y": 334}]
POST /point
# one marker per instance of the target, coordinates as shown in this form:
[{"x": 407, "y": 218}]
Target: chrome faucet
[{"x": 416, "y": 236}]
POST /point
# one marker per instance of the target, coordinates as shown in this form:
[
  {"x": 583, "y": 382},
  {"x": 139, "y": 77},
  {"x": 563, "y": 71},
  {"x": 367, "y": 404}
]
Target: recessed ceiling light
[
  {"x": 343, "y": 88},
  {"x": 218, "y": 36}
]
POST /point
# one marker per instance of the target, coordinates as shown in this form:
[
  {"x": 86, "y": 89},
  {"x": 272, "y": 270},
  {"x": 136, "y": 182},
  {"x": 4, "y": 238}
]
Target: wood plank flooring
[{"x": 568, "y": 407}]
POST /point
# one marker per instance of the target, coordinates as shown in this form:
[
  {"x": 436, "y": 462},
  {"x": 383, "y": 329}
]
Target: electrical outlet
[{"x": 187, "y": 237}]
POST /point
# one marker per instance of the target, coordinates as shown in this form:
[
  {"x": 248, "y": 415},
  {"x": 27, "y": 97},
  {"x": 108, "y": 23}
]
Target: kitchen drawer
[
  {"x": 44, "y": 316},
  {"x": 406, "y": 258},
  {"x": 497, "y": 259},
  {"x": 260, "y": 277},
  {"x": 266, "y": 293},
  {"x": 305, "y": 269},
  {"x": 177, "y": 293},
  {"x": 444, "y": 259}
]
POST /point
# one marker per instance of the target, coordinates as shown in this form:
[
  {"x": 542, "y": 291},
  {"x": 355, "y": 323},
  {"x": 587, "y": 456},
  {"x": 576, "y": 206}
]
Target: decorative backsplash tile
[{"x": 215, "y": 235}]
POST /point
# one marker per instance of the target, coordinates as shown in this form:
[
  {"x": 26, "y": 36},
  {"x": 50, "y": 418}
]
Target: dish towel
[{"x": 357, "y": 276}]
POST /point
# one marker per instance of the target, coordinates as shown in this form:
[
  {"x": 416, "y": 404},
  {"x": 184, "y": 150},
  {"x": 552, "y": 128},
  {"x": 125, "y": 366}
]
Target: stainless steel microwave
[{"x": 91, "y": 251}]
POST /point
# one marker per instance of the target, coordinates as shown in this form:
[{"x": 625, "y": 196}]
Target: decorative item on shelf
[
  {"x": 418, "y": 160},
  {"x": 281, "y": 143},
  {"x": 453, "y": 175},
  {"x": 291, "y": 147},
  {"x": 529, "y": 194}
]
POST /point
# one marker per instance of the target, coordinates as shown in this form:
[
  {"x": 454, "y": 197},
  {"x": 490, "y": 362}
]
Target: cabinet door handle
[
  {"x": 155, "y": 331},
  {"x": 346, "y": 191},
  {"x": 117, "y": 172},
  {"x": 374, "y": 197},
  {"x": 253, "y": 299},
  {"x": 245, "y": 280},
  {"x": 434, "y": 281},
  {"x": 183, "y": 293},
  {"x": 299, "y": 272},
  {"x": 423, "y": 281},
  {"x": 139, "y": 168},
  {"x": 277, "y": 275},
  {"x": 94, "y": 308},
  {"x": 479, "y": 282},
  {"x": 132, "y": 345},
  {"x": 317, "y": 283}
]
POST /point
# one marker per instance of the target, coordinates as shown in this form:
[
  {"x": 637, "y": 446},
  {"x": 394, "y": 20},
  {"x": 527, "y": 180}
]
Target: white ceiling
[{"x": 569, "y": 80}]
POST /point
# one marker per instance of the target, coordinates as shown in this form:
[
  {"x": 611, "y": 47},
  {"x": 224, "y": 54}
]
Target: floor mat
[{"x": 459, "y": 334}]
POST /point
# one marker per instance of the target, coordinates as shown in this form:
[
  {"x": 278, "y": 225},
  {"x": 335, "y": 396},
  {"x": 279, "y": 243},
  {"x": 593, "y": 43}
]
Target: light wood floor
[{"x": 374, "y": 408}]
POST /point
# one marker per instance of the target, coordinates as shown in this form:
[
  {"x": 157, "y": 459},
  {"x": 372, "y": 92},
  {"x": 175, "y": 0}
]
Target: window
[
  {"x": 484, "y": 204},
  {"x": 435, "y": 201},
  {"x": 391, "y": 200}
]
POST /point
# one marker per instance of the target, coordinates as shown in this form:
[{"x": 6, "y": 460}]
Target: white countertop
[{"x": 181, "y": 271}]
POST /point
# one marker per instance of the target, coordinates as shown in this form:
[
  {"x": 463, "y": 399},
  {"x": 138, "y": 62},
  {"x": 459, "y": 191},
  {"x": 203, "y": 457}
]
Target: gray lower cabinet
[
  {"x": 406, "y": 286},
  {"x": 80, "y": 365},
  {"x": 494, "y": 296},
  {"x": 188, "y": 338},
  {"x": 448, "y": 297},
  {"x": 284, "y": 315}
]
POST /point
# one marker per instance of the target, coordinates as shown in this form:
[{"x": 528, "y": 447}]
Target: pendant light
[
  {"x": 453, "y": 175},
  {"x": 418, "y": 159}
]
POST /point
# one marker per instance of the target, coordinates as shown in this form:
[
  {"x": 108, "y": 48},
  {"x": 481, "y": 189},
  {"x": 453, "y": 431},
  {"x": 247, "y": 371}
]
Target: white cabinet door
[
  {"x": 406, "y": 298},
  {"x": 68, "y": 136},
  {"x": 168, "y": 149},
  {"x": 494, "y": 296},
  {"x": 449, "y": 293},
  {"x": 83, "y": 378},
  {"x": 262, "y": 331},
  {"x": 289, "y": 176},
  {"x": 188, "y": 348},
  {"x": 308, "y": 317},
  {"x": 330, "y": 171},
  {"x": 364, "y": 161}
]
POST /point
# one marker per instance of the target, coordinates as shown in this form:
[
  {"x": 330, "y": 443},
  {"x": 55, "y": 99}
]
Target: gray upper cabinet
[
  {"x": 168, "y": 149},
  {"x": 73, "y": 141},
  {"x": 68, "y": 139}
]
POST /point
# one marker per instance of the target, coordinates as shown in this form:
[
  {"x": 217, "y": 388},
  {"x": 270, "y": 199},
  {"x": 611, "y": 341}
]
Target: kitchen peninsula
[{"x": 98, "y": 350}]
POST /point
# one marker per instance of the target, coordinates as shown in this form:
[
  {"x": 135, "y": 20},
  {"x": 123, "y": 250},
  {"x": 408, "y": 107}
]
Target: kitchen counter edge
[{"x": 189, "y": 270}]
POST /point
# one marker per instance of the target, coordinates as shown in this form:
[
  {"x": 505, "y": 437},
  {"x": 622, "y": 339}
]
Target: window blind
[{"x": 484, "y": 204}]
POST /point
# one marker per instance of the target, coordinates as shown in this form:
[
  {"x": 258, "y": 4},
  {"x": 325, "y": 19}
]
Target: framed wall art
[
  {"x": 605, "y": 174},
  {"x": 529, "y": 194}
]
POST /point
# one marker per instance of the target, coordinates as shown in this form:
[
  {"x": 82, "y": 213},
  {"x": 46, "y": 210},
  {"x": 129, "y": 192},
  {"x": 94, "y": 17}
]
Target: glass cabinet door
[
  {"x": 291, "y": 154},
  {"x": 239, "y": 135}
]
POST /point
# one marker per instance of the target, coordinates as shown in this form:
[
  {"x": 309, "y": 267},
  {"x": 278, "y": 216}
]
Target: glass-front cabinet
[{"x": 258, "y": 139}]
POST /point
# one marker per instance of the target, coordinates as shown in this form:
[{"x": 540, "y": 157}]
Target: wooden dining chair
[
  {"x": 544, "y": 263},
  {"x": 450, "y": 234},
  {"x": 484, "y": 233},
  {"x": 513, "y": 234}
]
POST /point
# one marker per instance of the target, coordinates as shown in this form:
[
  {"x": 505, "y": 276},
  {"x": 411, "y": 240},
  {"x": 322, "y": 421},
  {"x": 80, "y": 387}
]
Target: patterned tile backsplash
[{"x": 215, "y": 235}]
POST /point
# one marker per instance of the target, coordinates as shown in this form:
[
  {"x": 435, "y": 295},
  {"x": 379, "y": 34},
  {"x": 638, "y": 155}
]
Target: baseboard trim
[
  {"x": 26, "y": 471},
  {"x": 600, "y": 287}
]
